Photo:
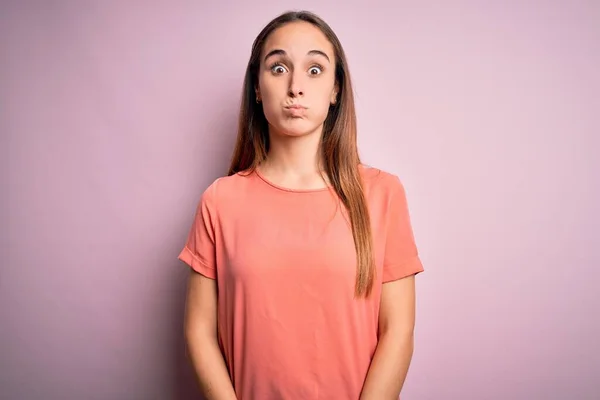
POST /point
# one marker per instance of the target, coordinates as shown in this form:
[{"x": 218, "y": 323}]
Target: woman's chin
[{"x": 297, "y": 129}]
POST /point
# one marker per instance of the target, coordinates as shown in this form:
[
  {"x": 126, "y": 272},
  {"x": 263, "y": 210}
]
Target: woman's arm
[
  {"x": 201, "y": 339},
  {"x": 394, "y": 351}
]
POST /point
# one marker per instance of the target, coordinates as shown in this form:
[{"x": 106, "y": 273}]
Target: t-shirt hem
[
  {"x": 413, "y": 266},
  {"x": 196, "y": 264}
]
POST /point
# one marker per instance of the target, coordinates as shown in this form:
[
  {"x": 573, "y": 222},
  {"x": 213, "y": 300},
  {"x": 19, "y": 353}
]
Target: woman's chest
[{"x": 295, "y": 241}]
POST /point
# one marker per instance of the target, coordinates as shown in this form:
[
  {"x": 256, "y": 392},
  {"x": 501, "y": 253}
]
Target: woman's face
[{"x": 296, "y": 79}]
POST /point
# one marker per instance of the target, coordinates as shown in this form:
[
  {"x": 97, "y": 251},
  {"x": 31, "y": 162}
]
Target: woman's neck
[{"x": 294, "y": 161}]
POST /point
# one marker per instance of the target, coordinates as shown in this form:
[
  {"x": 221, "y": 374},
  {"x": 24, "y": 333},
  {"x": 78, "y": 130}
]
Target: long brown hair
[{"x": 338, "y": 144}]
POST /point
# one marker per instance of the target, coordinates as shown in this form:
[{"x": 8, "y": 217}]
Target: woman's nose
[{"x": 295, "y": 88}]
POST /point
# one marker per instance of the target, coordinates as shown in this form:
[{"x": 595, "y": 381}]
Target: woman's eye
[
  {"x": 315, "y": 70},
  {"x": 278, "y": 69}
]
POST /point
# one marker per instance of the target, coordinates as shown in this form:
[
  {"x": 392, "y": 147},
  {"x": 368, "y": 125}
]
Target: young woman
[{"x": 302, "y": 258}]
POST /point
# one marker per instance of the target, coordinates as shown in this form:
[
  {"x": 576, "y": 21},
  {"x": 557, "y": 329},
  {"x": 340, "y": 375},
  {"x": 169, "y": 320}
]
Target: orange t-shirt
[{"x": 289, "y": 324}]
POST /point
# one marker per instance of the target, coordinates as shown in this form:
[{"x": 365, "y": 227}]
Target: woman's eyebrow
[
  {"x": 281, "y": 52},
  {"x": 318, "y": 53}
]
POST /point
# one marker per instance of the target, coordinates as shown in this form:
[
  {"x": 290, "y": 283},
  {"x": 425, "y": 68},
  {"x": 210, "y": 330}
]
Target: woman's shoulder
[
  {"x": 225, "y": 186},
  {"x": 376, "y": 179},
  {"x": 227, "y": 190}
]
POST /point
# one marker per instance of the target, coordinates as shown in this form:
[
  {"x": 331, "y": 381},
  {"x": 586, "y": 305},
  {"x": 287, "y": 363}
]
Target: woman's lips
[{"x": 296, "y": 110}]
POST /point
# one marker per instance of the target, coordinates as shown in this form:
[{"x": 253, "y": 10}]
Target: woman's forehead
[{"x": 298, "y": 39}]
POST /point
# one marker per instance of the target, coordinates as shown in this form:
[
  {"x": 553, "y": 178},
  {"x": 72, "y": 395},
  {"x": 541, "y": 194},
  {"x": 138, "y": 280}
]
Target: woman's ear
[
  {"x": 257, "y": 92},
  {"x": 334, "y": 94}
]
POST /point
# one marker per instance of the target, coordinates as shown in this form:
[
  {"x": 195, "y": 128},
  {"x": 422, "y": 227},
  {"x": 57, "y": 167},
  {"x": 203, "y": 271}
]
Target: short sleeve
[
  {"x": 199, "y": 251},
  {"x": 401, "y": 258}
]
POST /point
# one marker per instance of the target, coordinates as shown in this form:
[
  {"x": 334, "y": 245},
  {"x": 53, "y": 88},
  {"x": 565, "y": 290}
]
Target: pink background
[{"x": 114, "y": 117}]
